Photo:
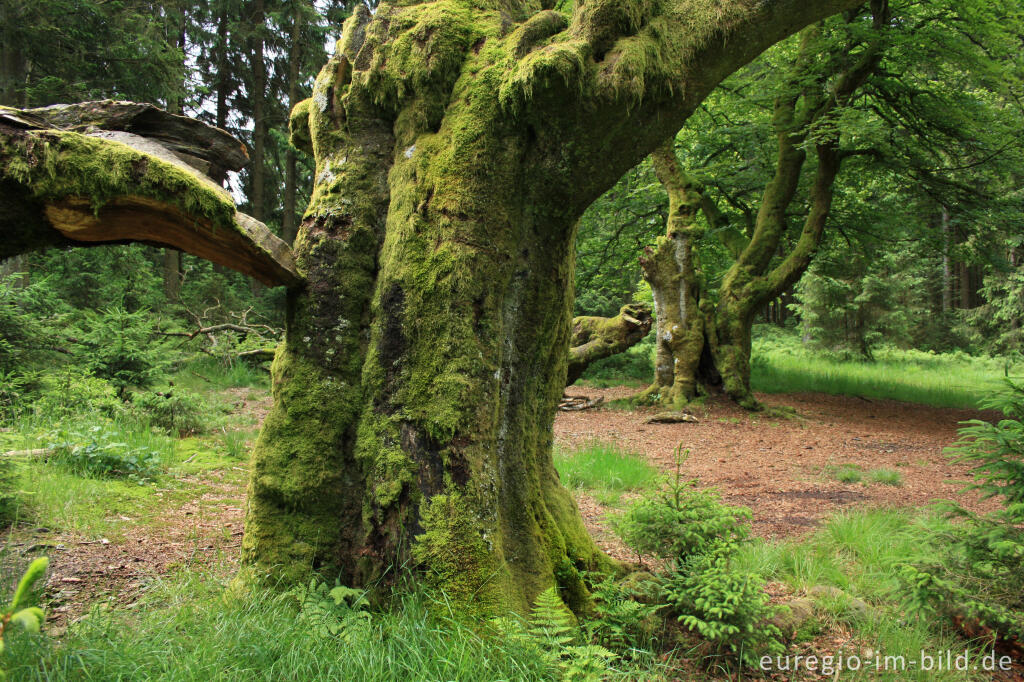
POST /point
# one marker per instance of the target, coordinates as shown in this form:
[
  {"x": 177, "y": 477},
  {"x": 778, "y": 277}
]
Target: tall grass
[
  {"x": 604, "y": 467},
  {"x": 205, "y": 374},
  {"x": 860, "y": 552},
  {"x": 186, "y": 630},
  {"x": 783, "y": 365}
]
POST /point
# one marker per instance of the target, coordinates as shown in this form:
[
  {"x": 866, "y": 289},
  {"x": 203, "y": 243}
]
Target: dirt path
[
  {"x": 779, "y": 466},
  {"x": 205, "y": 531}
]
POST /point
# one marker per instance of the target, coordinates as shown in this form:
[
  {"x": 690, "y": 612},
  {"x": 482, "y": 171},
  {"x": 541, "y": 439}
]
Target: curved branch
[
  {"x": 594, "y": 338},
  {"x": 103, "y": 185}
]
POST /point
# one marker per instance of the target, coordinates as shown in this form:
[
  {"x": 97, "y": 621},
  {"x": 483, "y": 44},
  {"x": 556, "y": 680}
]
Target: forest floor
[
  {"x": 778, "y": 466},
  {"x": 783, "y": 466}
]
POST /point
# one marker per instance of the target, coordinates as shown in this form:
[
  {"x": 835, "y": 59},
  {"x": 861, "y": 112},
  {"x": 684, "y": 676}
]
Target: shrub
[
  {"x": 700, "y": 536},
  {"x": 620, "y": 623},
  {"x": 724, "y": 605},
  {"x": 119, "y": 347},
  {"x": 8, "y": 491},
  {"x": 100, "y": 451},
  {"x": 682, "y": 521},
  {"x": 176, "y": 412},
  {"x": 979, "y": 575},
  {"x": 28, "y": 318},
  {"x": 14, "y": 387},
  {"x": 18, "y": 612},
  {"x": 73, "y": 392}
]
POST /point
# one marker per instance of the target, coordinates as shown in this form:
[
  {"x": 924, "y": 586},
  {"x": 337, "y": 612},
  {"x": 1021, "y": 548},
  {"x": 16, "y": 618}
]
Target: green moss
[
  {"x": 561, "y": 64},
  {"x": 298, "y": 126},
  {"x": 457, "y": 553},
  {"x": 417, "y": 53},
  {"x": 300, "y": 483},
  {"x": 54, "y": 166}
]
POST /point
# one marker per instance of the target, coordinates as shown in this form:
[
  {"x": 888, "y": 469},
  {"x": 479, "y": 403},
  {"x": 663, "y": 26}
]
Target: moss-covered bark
[
  {"x": 457, "y": 145},
  {"x": 595, "y": 338},
  {"x": 673, "y": 270},
  {"x": 64, "y": 187},
  {"x": 704, "y": 340}
]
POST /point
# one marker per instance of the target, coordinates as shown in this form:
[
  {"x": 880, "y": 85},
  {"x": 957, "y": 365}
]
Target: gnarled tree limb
[
  {"x": 116, "y": 172},
  {"x": 594, "y": 338}
]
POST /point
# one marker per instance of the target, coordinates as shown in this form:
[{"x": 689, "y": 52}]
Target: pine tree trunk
[
  {"x": 947, "y": 266},
  {"x": 288, "y": 221},
  {"x": 172, "y": 270},
  {"x": 223, "y": 87},
  {"x": 259, "y": 120}
]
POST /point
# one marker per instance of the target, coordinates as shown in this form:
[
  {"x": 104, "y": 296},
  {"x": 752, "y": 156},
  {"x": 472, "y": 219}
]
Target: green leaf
[{"x": 35, "y": 571}]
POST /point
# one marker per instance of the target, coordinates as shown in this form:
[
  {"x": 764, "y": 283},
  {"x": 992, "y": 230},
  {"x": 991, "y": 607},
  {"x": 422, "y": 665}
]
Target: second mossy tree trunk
[
  {"x": 704, "y": 340},
  {"x": 456, "y": 145}
]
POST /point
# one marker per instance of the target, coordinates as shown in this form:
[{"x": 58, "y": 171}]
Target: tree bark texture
[{"x": 416, "y": 389}]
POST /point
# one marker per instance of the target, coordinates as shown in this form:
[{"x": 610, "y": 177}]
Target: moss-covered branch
[
  {"x": 112, "y": 186},
  {"x": 595, "y": 338}
]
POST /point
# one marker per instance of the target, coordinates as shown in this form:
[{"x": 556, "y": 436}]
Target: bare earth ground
[
  {"x": 777, "y": 465},
  {"x": 774, "y": 465}
]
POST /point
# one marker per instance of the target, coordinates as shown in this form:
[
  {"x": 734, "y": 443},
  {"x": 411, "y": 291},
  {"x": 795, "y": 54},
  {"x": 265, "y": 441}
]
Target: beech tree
[
  {"x": 706, "y": 340},
  {"x": 456, "y": 146}
]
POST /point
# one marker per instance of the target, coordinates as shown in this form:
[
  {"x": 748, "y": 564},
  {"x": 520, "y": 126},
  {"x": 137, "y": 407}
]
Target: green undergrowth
[
  {"x": 209, "y": 374},
  {"x": 781, "y": 364},
  {"x": 861, "y": 552},
  {"x": 605, "y": 470},
  {"x": 186, "y": 628},
  {"x": 92, "y": 474}
]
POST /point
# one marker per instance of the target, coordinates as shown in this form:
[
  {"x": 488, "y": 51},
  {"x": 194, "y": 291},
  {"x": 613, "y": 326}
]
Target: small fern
[
  {"x": 585, "y": 663},
  {"x": 333, "y": 612},
  {"x": 550, "y": 621},
  {"x": 552, "y": 627}
]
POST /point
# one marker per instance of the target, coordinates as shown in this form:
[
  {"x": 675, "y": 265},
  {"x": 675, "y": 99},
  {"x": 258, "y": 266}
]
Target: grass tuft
[
  {"x": 605, "y": 468},
  {"x": 885, "y": 477}
]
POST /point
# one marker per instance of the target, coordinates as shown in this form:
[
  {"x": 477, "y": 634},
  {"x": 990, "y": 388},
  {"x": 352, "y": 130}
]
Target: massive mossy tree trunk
[
  {"x": 456, "y": 148},
  {"x": 457, "y": 144},
  {"x": 704, "y": 341}
]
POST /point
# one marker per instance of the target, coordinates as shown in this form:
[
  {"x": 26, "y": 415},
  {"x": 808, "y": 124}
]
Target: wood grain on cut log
[{"x": 117, "y": 172}]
